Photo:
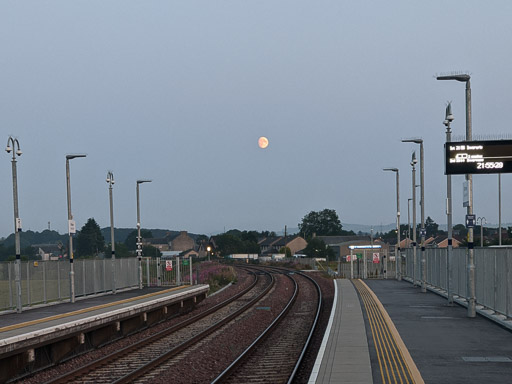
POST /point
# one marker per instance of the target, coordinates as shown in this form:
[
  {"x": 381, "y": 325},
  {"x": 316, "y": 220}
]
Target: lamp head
[
  {"x": 413, "y": 159},
  {"x": 73, "y": 156},
  {"x": 18, "y": 152},
  {"x": 144, "y": 181},
  {"x": 462, "y": 77},
  {"x": 390, "y": 169},
  {"x": 8, "y": 149}
]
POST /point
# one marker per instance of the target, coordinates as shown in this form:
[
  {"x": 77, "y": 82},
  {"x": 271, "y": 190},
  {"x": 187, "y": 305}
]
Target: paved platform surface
[
  {"x": 30, "y": 320},
  {"x": 346, "y": 358},
  {"x": 446, "y": 345}
]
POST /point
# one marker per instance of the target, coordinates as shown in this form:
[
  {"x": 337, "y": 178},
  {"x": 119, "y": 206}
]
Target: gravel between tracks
[{"x": 244, "y": 279}]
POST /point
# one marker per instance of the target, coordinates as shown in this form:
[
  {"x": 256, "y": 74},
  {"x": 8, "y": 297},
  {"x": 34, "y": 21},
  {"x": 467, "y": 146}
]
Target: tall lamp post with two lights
[
  {"x": 12, "y": 144},
  {"x": 397, "y": 249},
  {"x": 71, "y": 229}
]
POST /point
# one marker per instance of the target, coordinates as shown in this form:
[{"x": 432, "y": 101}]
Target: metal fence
[
  {"x": 493, "y": 274},
  {"x": 48, "y": 281}
]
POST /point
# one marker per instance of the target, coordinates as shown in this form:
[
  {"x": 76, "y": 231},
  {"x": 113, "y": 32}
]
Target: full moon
[{"x": 263, "y": 142}]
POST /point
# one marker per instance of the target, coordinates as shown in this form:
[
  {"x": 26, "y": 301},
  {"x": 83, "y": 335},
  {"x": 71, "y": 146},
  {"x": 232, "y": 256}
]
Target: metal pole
[
  {"x": 408, "y": 223},
  {"x": 414, "y": 219},
  {"x": 139, "y": 239},
  {"x": 139, "y": 245},
  {"x": 449, "y": 261},
  {"x": 17, "y": 222},
  {"x": 398, "y": 256},
  {"x": 423, "y": 256},
  {"x": 70, "y": 249},
  {"x": 469, "y": 178},
  {"x": 110, "y": 181},
  {"x": 499, "y": 208}
]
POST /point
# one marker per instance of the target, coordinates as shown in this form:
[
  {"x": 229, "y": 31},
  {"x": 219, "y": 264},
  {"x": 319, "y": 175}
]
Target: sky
[{"x": 180, "y": 91}]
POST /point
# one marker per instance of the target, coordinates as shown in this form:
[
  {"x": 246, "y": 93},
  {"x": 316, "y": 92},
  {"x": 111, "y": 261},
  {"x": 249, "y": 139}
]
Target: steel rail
[
  {"x": 67, "y": 377},
  {"x": 230, "y": 369},
  {"x": 183, "y": 346}
]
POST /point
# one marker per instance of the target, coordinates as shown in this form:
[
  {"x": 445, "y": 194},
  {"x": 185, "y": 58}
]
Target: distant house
[
  {"x": 49, "y": 251},
  {"x": 440, "y": 241},
  {"x": 162, "y": 244},
  {"x": 272, "y": 245},
  {"x": 182, "y": 242}
]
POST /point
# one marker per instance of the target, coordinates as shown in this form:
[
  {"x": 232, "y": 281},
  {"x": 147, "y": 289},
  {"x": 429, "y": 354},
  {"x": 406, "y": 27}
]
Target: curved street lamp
[
  {"x": 482, "y": 222},
  {"x": 12, "y": 144}
]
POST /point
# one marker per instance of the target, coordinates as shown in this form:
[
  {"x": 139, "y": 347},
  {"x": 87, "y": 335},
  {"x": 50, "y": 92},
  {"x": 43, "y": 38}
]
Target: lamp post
[
  {"x": 447, "y": 121},
  {"x": 71, "y": 229},
  {"x": 139, "y": 239},
  {"x": 423, "y": 232},
  {"x": 397, "y": 249},
  {"x": 413, "y": 165},
  {"x": 465, "y": 78},
  {"x": 12, "y": 144},
  {"x": 110, "y": 182},
  {"x": 482, "y": 222}
]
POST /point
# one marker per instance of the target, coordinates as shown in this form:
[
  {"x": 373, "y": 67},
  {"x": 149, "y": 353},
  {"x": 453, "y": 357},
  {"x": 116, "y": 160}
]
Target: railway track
[
  {"x": 126, "y": 364},
  {"x": 276, "y": 355},
  {"x": 277, "y": 314}
]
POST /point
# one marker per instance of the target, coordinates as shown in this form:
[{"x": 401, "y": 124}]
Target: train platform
[
  {"x": 47, "y": 334},
  {"x": 387, "y": 331}
]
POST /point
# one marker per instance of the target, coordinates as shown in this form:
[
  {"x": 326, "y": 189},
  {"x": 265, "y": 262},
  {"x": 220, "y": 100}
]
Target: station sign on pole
[{"x": 478, "y": 157}]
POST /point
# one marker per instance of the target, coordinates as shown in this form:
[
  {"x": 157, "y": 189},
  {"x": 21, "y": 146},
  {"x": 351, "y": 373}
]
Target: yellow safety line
[
  {"x": 404, "y": 352},
  {"x": 384, "y": 343},
  {"x": 85, "y": 310},
  {"x": 389, "y": 343},
  {"x": 377, "y": 345}
]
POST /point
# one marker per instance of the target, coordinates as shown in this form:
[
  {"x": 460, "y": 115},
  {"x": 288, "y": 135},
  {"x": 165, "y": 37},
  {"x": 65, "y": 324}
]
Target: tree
[
  {"x": 90, "y": 241},
  {"x": 317, "y": 248},
  {"x": 286, "y": 251},
  {"x": 150, "y": 251},
  {"x": 431, "y": 227},
  {"x": 323, "y": 223},
  {"x": 131, "y": 239}
]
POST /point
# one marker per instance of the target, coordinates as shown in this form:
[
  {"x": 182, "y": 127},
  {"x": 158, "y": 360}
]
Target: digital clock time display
[{"x": 474, "y": 157}]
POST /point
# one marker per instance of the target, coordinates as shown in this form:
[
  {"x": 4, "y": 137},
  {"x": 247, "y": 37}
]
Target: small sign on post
[
  {"x": 470, "y": 221},
  {"x": 168, "y": 265},
  {"x": 376, "y": 258},
  {"x": 71, "y": 227}
]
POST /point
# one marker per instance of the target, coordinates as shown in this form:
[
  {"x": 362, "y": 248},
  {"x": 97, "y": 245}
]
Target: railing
[
  {"x": 493, "y": 274},
  {"x": 44, "y": 282}
]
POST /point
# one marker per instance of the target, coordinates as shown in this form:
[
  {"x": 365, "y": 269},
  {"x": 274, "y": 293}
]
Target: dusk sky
[{"x": 180, "y": 91}]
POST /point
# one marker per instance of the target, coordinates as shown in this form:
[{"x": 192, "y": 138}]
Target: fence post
[
  {"x": 28, "y": 284},
  {"x": 190, "y": 267},
  {"x": 10, "y": 284},
  {"x": 83, "y": 277},
  {"x": 158, "y": 272},
  {"x": 44, "y": 281},
  {"x": 104, "y": 288},
  {"x": 178, "y": 274},
  {"x": 147, "y": 273}
]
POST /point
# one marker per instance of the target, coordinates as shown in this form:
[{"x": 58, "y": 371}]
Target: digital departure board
[{"x": 475, "y": 157}]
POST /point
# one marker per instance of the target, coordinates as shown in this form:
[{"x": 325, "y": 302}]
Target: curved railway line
[{"x": 262, "y": 331}]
